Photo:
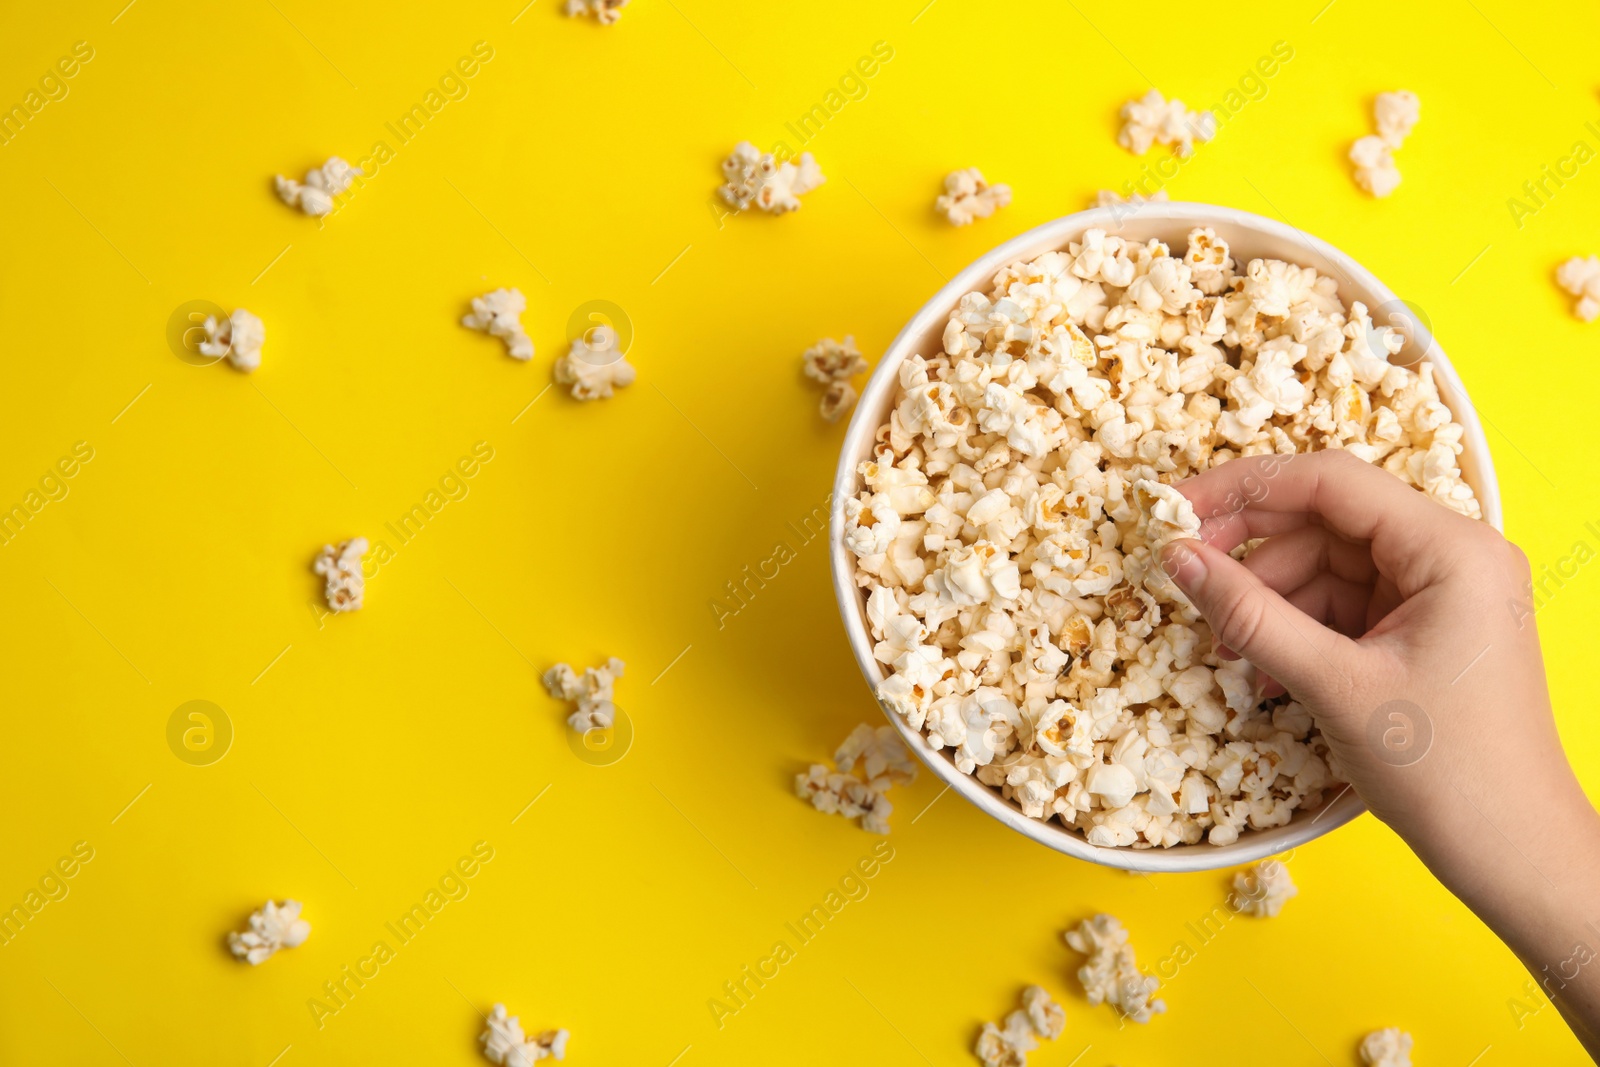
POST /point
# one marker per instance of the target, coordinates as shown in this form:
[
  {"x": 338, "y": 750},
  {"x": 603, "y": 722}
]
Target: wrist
[{"x": 1536, "y": 884}]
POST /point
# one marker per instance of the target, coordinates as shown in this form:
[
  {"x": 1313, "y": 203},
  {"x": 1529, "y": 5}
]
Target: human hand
[{"x": 1407, "y": 631}]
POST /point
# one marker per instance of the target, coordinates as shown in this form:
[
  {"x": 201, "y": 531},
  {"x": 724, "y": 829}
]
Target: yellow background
[{"x": 373, "y": 750}]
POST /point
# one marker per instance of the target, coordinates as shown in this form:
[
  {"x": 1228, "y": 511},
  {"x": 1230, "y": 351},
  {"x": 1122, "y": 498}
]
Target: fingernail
[{"x": 1183, "y": 564}]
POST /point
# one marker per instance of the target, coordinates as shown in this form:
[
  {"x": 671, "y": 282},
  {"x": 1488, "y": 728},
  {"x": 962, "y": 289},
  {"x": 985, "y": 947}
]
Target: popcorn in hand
[
  {"x": 316, "y": 195},
  {"x": 1111, "y": 974},
  {"x": 1264, "y": 889},
  {"x": 884, "y": 762},
  {"x": 239, "y": 337},
  {"x": 967, "y": 197},
  {"x": 1153, "y": 119},
  {"x": 605, "y": 11},
  {"x": 499, "y": 314},
  {"x": 758, "y": 178},
  {"x": 595, "y": 366},
  {"x": 1581, "y": 278},
  {"x": 834, "y": 363},
  {"x": 1386, "y": 1048},
  {"x": 273, "y": 927},
  {"x": 593, "y": 693},
  {"x": 1394, "y": 114},
  {"x": 505, "y": 1043},
  {"x": 340, "y": 565}
]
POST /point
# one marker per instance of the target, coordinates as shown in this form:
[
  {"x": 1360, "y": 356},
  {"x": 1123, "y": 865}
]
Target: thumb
[{"x": 1245, "y": 615}]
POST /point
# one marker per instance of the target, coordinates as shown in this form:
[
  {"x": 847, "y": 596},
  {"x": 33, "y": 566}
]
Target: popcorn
[
  {"x": 1008, "y": 528},
  {"x": 1264, "y": 889},
  {"x": 593, "y": 693},
  {"x": 1375, "y": 169},
  {"x": 837, "y": 399},
  {"x": 1386, "y": 1048},
  {"x": 1153, "y": 119},
  {"x": 1111, "y": 974},
  {"x": 1581, "y": 278},
  {"x": 499, "y": 314},
  {"x": 967, "y": 197},
  {"x": 834, "y": 363},
  {"x": 340, "y": 566},
  {"x": 594, "y": 366},
  {"x": 273, "y": 927},
  {"x": 758, "y": 178},
  {"x": 239, "y": 337},
  {"x": 885, "y": 762},
  {"x": 883, "y": 756},
  {"x": 505, "y": 1043},
  {"x": 1009, "y": 1046},
  {"x": 1394, "y": 114},
  {"x": 1045, "y": 1015},
  {"x": 829, "y": 360},
  {"x": 316, "y": 195},
  {"x": 605, "y": 11}
]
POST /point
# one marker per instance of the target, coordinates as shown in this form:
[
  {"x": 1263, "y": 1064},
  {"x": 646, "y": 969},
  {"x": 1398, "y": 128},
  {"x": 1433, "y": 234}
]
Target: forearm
[{"x": 1539, "y": 891}]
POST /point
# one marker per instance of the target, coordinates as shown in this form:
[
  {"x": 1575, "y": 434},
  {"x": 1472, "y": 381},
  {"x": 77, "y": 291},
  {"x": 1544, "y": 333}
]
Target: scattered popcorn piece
[
  {"x": 1153, "y": 119},
  {"x": 316, "y": 195},
  {"x": 1581, "y": 278},
  {"x": 829, "y": 360},
  {"x": 594, "y": 693},
  {"x": 1375, "y": 169},
  {"x": 340, "y": 566},
  {"x": 595, "y": 366},
  {"x": 834, "y": 363},
  {"x": 1111, "y": 974},
  {"x": 1386, "y": 1048},
  {"x": 837, "y": 399},
  {"x": 881, "y": 753},
  {"x": 884, "y": 762},
  {"x": 1008, "y": 1046},
  {"x": 1264, "y": 889},
  {"x": 239, "y": 337},
  {"x": 1046, "y": 1016},
  {"x": 1395, "y": 114},
  {"x": 273, "y": 927},
  {"x": 499, "y": 314},
  {"x": 605, "y": 11},
  {"x": 758, "y": 178},
  {"x": 967, "y": 197},
  {"x": 1110, "y": 198},
  {"x": 1007, "y": 529},
  {"x": 505, "y": 1043}
]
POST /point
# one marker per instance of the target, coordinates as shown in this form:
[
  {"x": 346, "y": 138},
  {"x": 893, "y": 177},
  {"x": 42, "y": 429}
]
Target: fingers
[
  {"x": 1334, "y": 602},
  {"x": 1359, "y": 500},
  {"x": 1295, "y": 558},
  {"x": 1252, "y": 620},
  {"x": 1229, "y": 531}
]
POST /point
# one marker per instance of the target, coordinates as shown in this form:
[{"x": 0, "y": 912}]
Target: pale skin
[{"x": 1368, "y": 603}]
